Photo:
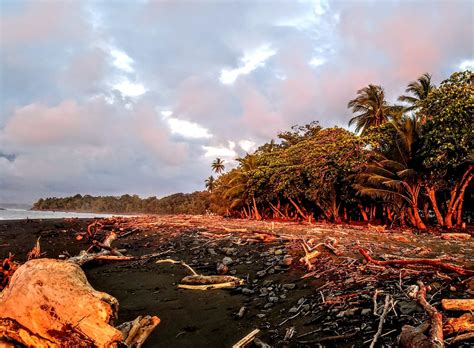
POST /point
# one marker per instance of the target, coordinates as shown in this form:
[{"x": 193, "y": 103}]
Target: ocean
[{"x": 21, "y": 214}]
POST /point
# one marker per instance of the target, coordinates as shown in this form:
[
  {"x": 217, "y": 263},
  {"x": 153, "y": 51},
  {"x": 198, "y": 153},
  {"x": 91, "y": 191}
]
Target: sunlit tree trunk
[
  {"x": 434, "y": 203},
  {"x": 363, "y": 213},
  {"x": 257, "y": 214},
  {"x": 298, "y": 209},
  {"x": 457, "y": 196}
]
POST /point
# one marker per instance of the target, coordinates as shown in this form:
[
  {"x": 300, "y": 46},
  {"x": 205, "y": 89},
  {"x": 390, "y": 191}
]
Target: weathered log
[
  {"x": 455, "y": 236},
  {"x": 247, "y": 339},
  {"x": 464, "y": 305},
  {"x": 436, "y": 263},
  {"x": 50, "y": 303},
  {"x": 458, "y": 325},
  {"x": 137, "y": 331},
  {"x": 436, "y": 318}
]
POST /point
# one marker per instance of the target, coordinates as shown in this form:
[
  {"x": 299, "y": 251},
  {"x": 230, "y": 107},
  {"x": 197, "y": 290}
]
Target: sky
[{"x": 139, "y": 97}]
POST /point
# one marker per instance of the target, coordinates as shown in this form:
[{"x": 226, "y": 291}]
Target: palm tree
[
  {"x": 370, "y": 107},
  {"x": 393, "y": 177},
  {"x": 237, "y": 191},
  {"x": 419, "y": 91},
  {"x": 210, "y": 182},
  {"x": 218, "y": 166}
]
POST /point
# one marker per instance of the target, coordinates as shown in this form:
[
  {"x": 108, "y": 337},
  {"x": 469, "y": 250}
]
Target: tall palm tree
[
  {"x": 370, "y": 107},
  {"x": 218, "y": 166},
  {"x": 419, "y": 91},
  {"x": 210, "y": 182},
  {"x": 394, "y": 177}
]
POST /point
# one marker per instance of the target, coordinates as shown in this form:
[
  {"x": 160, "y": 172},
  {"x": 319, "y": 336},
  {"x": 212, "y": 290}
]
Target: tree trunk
[
  {"x": 297, "y": 208},
  {"x": 418, "y": 222},
  {"x": 457, "y": 195},
  {"x": 411, "y": 217},
  {"x": 434, "y": 203},
  {"x": 257, "y": 214},
  {"x": 363, "y": 213},
  {"x": 459, "y": 214}
]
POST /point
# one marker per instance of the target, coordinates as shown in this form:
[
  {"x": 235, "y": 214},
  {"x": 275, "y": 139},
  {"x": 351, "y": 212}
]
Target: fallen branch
[
  {"x": 436, "y": 332},
  {"x": 435, "y": 263},
  {"x": 310, "y": 255},
  {"x": 386, "y": 306},
  {"x": 458, "y": 325},
  {"x": 137, "y": 331},
  {"x": 464, "y": 305},
  {"x": 247, "y": 339}
]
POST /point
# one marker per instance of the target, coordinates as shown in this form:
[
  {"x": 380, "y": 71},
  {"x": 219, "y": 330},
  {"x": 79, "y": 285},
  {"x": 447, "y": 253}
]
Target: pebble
[
  {"x": 268, "y": 305},
  {"x": 222, "y": 269},
  {"x": 293, "y": 310},
  {"x": 289, "y": 286},
  {"x": 261, "y": 274},
  {"x": 366, "y": 311},
  {"x": 278, "y": 252},
  {"x": 247, "y": 291},
  {"x": 287, "y": 261},
  {"x": 347, "y": 313},
  {"x": 227, "y": 261},
  {"x": 261, "y": 315},
  {"x": 273, "y": 299},
  {"x": 211, "y": 251}
]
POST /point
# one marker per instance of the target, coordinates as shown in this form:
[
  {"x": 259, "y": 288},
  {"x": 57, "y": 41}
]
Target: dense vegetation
[
  {"x": 179, "y": 203},
  {"x": 412, "y": 163},
  {"x": 409, "y": 164}
]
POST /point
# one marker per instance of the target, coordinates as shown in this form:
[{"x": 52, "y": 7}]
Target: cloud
[{"x": 140, "y": 97}]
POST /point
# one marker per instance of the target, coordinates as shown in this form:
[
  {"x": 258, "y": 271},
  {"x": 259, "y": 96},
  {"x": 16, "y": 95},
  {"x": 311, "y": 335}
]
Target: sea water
[{"x": 21, "y": 214}]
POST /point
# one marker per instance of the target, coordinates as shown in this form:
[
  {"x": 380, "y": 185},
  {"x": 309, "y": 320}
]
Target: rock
[
  {"x": 233, "y": 272},
  {"x": 273, "y": 299},
  {"x": 366, "y": 311},
  {"x": 305, "y": 307},
  {"x": 268, "y": 305},
  {"x": 261, "y": 274},
  {"x": 227, "y": 261},
  {"x": 287, "y": 261},
  {"x": 408, "y": 307},
  {"x": 348, "y": 312},
  {"x": 293, "y": 310},
  {"x": 261, "y": 315},
  {"x": 229, "y": 251},
  {"x": 278, "y": 252},
  {"x": 222, "y": 269},
  {"x": 267, "y": 282},
  {"x": 289, "y": 286},
  {"x": 247, "y": 291},
  {"x": 211, "y": 251},
  {"x": 301, "y": 300},
  {"x": 271, "y": 271}
]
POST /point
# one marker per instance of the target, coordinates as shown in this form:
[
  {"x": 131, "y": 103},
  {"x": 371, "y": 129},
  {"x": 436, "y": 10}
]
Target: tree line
[
  {"x": 179, "y": 203},
  {"x": 409, "y": 163}
]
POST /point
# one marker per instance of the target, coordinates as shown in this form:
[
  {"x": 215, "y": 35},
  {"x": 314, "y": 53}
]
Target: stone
[
  {"x": 273, "y": 299},
  {"x": 211, "y": 251},
  {"x": 366, "y": 311},
  {"x": 247, "y": 291},
  {"x": 293, "y": 310},
  {"x": 222, "y": 269},
  {"x": 278, "y": 252},
  {"x": 261, "y": 274},
  {"x": 289, "y": 286},
  {"x": 287, "y": 261},
  {"x": 268, "y": 305},
  {"x": 227, "y": 261}
]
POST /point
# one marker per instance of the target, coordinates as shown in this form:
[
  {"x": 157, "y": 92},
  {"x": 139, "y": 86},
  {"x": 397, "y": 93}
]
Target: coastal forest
[{"x": 410, "y": 163}]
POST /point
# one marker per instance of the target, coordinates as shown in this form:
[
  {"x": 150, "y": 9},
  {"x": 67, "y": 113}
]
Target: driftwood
[
  {"x": 436, "y": 263},
  {"x": 247, "y": 339},
  {"x": 388, "y": 300},
  {"x": 137, "y": 331},
  {"x": 464, "y": 305},
  {"x": 204, "y": 282},
  {"x": 464, "y": 323},
  {"x": 7, "y": 268},
  {"x": 50, "y": 303},
  {"x": 455, "y": 236},
  {"x": 412, "y": 337},
  {"x": 436, "y": 317},
  {"x": 309, "y": 255}
]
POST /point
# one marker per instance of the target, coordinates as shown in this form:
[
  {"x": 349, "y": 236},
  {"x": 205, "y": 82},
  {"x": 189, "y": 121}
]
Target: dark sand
[{"x": 206, "y": 318}]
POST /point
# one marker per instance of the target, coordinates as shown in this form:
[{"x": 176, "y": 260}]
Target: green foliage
[
  {"x": 448, "y": 140},
  {"x": 179, "y": 203}
]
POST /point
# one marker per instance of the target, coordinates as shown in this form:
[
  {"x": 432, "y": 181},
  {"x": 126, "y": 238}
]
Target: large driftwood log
[
  {"x": 457, "y": 304},
  {"x": 50, "y": 303},
  {"x": 435, "y": 263}
]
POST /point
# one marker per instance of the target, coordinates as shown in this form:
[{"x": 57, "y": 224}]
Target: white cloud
[
  {"x": 121, "y": 60},
  {"x": 467, "y": 64},
  {"x": 250, "y": 62},
  {"x": 130, "y": 89},
  {"x": 188, "y": 129},
  {"x": 247, "y": 145},
  {"x": 221, "y": 151},
  {"x": 317, "y": 61},
  {"x": 320, "y": 7}
]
